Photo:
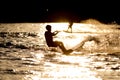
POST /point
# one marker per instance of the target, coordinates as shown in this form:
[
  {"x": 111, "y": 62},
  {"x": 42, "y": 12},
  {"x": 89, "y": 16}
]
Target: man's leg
[
  {"x": 60, "y": 44},
  {"x": 62, "y": 47}
]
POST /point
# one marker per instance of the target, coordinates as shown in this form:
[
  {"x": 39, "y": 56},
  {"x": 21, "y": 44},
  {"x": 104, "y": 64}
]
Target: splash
[{"x": 91, "y": 21}]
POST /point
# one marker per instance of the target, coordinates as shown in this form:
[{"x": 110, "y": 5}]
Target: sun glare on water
[
  {"x": 59, "y": 26},
  {"x": 75, "y": 70},
  {"x": 40, "y": 63}
]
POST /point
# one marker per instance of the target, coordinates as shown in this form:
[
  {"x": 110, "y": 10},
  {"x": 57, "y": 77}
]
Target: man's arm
[{"x": 56, "y": 32}]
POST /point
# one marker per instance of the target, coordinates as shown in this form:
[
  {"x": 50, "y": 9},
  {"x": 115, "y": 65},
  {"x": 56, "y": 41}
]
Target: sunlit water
[{"x": 30, "y": 58}]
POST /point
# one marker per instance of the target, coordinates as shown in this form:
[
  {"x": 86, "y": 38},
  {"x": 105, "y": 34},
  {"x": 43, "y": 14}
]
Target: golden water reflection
[
  {"x": 25, "y": 64},
  {"x": 65, "y": 73},
  {"x": 66, "y": 68}
]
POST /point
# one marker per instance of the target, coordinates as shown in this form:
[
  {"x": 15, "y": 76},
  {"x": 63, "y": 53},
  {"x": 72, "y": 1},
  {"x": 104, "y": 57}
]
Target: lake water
[{"x": 24, "y": 54}]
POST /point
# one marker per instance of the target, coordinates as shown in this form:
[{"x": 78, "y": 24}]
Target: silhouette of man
[
  {"x": 49, "y": 40},
  {"x": 70, "y": 26}
]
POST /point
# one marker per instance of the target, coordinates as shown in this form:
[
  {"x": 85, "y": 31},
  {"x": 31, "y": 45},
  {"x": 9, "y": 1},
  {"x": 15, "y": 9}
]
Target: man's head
[{"x": 48, "y": 27}]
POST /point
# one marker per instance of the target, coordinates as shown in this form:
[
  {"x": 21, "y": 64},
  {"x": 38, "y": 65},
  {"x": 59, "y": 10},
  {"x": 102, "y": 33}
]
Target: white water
[{"x": 96, "y": 61}]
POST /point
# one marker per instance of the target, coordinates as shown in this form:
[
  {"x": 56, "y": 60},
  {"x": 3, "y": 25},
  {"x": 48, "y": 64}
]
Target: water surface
[{"x": 27, "y": 57}]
